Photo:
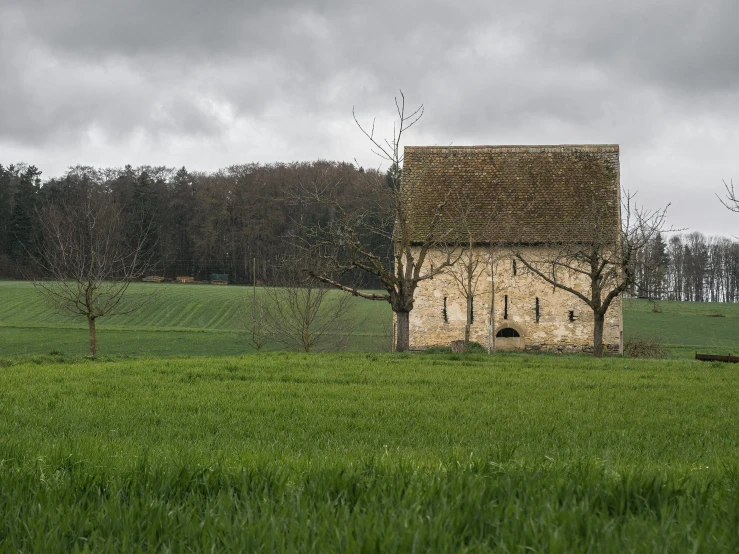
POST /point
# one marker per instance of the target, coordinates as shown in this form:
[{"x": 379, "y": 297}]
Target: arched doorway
[{"x": 509, "y": 338}]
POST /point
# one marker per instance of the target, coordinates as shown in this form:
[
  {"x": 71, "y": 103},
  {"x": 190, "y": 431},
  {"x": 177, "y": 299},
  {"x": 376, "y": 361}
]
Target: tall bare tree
[
  {"x": 381, "y": 239},
  {"x": 731, "y": 201},
  {"x": 599, "y": 269},
  {"x": 86, "y": 261}
]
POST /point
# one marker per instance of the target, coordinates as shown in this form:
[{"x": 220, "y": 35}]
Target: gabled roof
[{"x": 515, "y": 194}]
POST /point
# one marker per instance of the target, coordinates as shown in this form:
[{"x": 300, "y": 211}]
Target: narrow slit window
[
  {"x": 472, "y": 309},
  {"x": 514, "y": 268},
  {"x": 444, "y": 313},
  {"x": 505, "y": 307},
  {"x": 536, "y": 309},
  {"x": 572, "y": 315}
]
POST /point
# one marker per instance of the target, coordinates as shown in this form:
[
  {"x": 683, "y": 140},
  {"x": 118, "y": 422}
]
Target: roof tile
[{"x": 523, "y": 194}]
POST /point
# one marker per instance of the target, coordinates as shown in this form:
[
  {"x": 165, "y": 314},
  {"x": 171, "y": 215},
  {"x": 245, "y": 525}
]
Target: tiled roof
[{"x": 521, "y": 194}]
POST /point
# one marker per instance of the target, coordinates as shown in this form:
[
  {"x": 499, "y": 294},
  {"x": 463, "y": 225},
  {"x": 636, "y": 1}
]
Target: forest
[
  {"x": 238, "y": 220},
  {"x": 233, "y": 221}
]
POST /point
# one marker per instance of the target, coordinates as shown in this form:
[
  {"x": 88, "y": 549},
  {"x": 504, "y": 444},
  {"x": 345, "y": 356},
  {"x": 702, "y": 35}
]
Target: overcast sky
[{"x": 207, "y": 84}]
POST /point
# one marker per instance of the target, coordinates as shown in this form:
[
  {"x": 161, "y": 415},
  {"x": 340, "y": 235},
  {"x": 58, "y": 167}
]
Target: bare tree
[
  {"x": 381, "y": 239},
  {"x": 498, "y": 252},
  {"x": 473, "y": 261},
  {"x": 466, "y": 274},
  {"x": 303, "y": 313},
  {"x": 255, "y": 322},
  {"x": 597, "y": 270},
  {"x": 731, "y": 201},
  {"x": 85, "y": 259}
]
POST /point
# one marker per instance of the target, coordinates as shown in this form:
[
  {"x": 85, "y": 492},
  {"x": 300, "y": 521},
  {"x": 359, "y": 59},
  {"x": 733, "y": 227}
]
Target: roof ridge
[{"x": 523, "y": 147}]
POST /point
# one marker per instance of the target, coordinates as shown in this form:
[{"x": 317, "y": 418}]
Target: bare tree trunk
[
  {"x": 491, "y": 332},
  {"x": 469, "y": 321},
  {"x": 93, "y": 338},
  {"x": 491, "y": 323},
  {"x": 306, "y": 338},
  {"x": 402, "y": 341},
  {"x": 598, "y": 322},
  {"x": 470, "y": 298}
]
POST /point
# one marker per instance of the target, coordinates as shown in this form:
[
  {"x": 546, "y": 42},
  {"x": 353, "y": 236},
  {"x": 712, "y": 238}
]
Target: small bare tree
[
  {"x": 86, "y": 262},
  {"x": 304, "y": 313},
  {"x": 466, "y": 274},
  {"x": 471, "y": 263},
  {"x": 599, "y": 266},
  {"x": 382, "y": 240},
  {"x": 257, "y": 330},
  {"x": 498, "y": 252},
  {"x": 475, "y": 258}
]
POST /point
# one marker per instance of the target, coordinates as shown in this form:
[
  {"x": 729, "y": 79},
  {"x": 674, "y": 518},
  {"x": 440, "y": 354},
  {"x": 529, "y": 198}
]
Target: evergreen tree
[
  {"x": 142, "y": 212},
  {"x": 180, "y": 214},
  {"x": 23, "y": 219},
  {"x": 660, "y": 264},
  {"x": 5, "y": 209}
]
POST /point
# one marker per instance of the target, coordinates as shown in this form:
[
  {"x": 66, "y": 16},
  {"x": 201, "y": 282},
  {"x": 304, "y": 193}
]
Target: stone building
[{"x": 506, "y": 199}]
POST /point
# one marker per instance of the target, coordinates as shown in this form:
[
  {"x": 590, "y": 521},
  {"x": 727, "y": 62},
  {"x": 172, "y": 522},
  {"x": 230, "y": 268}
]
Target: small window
[
  {"x": 444, "y": 313},
  {"x": 572, "y": 315},
  {"x": 472, "y": 309},
  {"x": 507, "y": 333},
  {"x": 514, "y": 268},
  {"x": 536, "y": 309},
  {"x": 505, "y": 307}
]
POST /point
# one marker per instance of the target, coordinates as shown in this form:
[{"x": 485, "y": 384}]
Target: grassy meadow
[
  {"x": 173, "y": 320},
  {"x": 369, "y": 453},
  {"x": 206, "y": 320},
  {"x": 179, "y": 440}
]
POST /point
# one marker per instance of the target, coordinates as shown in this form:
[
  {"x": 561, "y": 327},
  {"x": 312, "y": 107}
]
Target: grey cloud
[
  {"x": 282, "y": 76},
  {"x": 678, "y": 44},
  {"x": 257, "y": 55}
]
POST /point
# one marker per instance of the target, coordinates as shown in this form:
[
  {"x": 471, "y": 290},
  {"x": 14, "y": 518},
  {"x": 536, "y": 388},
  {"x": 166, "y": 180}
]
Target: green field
[
  {"x": 369, "y": 453},
  {"x": 201, "y": 320},
  {"x": 185, "y": 320},
  {"x": 156, "y": 448},
  {"x": 685, "y": 327}
]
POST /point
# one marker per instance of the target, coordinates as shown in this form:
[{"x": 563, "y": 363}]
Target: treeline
[
  {"x": 689, "y": 267},
  {"x": 233, "y": 221},
  {"x": 223, "y": 222}
]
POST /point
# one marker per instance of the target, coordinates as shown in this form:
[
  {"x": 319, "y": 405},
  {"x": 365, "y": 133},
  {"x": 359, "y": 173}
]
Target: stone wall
[{"x": 554, "y": 330}]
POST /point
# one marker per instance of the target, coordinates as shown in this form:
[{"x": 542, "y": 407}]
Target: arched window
[{"x": 507, "y": 333}]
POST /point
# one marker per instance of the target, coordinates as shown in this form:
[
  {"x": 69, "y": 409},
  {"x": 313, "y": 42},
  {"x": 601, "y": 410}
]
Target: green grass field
[
  {"x": 369, "y": 453},
  {"x": 685, "y": 327},
  {"x": 201, "y": 320},
  {"x": 184, "y": 320},
  {"x": 156, "y": 448}
]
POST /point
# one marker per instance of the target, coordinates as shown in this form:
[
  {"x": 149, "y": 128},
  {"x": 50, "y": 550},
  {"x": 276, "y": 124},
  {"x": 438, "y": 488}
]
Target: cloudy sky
[{"x": 211, "y": 83}]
